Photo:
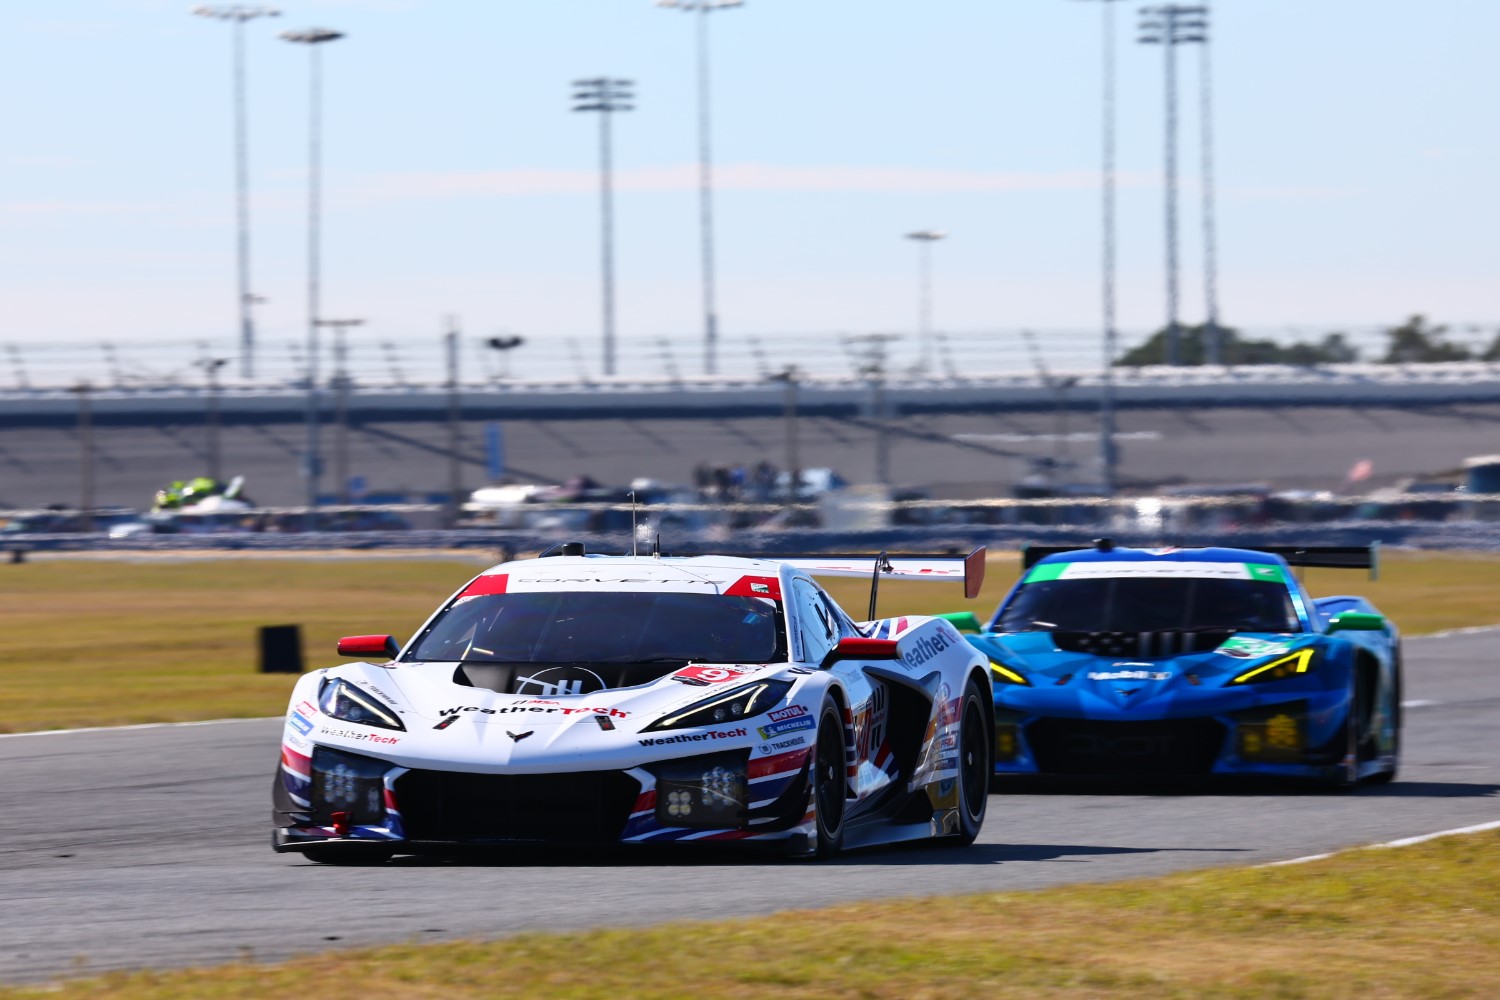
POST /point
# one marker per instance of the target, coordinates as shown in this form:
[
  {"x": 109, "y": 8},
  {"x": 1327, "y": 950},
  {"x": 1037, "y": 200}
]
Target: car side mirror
[
  {"x": 862, "y": 649},
  {"x": 964, "y": 621},
  {"x": 1356, "y": 621},
  {"x": 369, "y": 645}
]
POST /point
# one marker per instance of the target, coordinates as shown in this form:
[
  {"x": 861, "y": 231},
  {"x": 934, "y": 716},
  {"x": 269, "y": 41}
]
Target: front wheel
[
  {"x": 829, "y": 786},
  {"x": 975, "y": 765}
]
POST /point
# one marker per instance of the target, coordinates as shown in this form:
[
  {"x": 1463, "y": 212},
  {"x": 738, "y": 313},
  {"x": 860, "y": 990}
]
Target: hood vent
[{"x": 1141, "y": 644}]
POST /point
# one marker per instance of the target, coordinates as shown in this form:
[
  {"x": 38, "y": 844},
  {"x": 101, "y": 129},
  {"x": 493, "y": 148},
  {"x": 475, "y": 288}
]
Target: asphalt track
[{"x": 149, "y": 847}]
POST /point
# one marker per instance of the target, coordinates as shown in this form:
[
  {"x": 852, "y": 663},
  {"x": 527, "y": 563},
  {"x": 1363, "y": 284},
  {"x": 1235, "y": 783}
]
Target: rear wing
[
  {"x": 896, "y": 566},
  {"x": 1316, "y": 556}
]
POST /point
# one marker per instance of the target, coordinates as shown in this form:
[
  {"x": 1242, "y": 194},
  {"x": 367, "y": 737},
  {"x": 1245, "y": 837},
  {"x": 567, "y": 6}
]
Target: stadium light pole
[
  {"x": 1108, "y": 456},
  {"x": 925, "y": 238},
  {"x": 606, "y": 96},
  {"x": 83, "y": 390},
  {"x": 705, "y": 173},
  {"x": 791, "y": 377},
  {"x": 313, "y": 38},
  {"x": 1210, "y": 223},
  {"x": 341, "y": 401},
  {"x": 211, "y": 368},
  {"x": 1169, "y": 26},
  {"x": 238, "y": 14}
]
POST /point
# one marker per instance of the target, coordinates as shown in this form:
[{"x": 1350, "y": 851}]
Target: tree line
[{"x": 1417, "y": 341}]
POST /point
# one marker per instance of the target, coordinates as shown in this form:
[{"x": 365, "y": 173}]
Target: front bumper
[
  {"x": 334, "y": 796},
  {"x": 1304, "y": 737}
]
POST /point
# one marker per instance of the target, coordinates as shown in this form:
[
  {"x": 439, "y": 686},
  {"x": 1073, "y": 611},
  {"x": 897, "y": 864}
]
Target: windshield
[
  {"x": 1148, "y": 604},
  {"x": 604, "y": 627}
]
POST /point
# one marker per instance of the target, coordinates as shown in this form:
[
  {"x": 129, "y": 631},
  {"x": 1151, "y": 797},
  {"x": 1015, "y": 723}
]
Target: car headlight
[
  {"x": 1278, "y": 669},
  {"x": 1005, "y": 675},
  {"x": 343, "y": 701},
  {"x": 732, "y": 706}
]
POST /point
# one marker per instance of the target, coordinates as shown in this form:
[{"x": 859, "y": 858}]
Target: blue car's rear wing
[{"x": 1316, "y": 556}]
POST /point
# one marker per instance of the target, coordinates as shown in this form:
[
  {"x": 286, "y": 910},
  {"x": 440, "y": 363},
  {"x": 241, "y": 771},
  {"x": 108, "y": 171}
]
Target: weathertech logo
[
  {"x": 692, "y": 738},
  {"x": 517, "y": 709}
]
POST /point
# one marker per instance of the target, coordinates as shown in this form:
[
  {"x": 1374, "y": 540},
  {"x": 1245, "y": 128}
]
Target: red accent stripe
[
  {"x": 489, "y": 583},
  {"x": 296, "y": 760},
  {"x": 743, "y": 587},
  {"x": 390, "y": 800},
  {"x": 788, "y": 761},
  {"x": 646, "y": 802},
  {"x": 882, "y": 755}
]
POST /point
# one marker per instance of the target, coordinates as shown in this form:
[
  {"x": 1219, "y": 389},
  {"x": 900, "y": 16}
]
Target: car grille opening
[
  {"x": 586, "y": 807},
  {"x": 1165, "y": 747}
]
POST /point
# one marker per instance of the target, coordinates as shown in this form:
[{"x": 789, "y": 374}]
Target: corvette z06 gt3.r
[
  {"x": 1175, "y": 662},
  {"x": 620, "y": 699}
]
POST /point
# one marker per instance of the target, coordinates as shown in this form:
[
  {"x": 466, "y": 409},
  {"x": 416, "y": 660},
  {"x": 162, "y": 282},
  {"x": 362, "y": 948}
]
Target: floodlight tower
[
  {"x": 1169, "y": 26},
  {"x": 606, "y": 96},
  {"x": 313, "y": 38},
  {"x": 238, "y": 14},
  {"x": 705, "y": 172},
  {"x": 925, "y": 238},
  {"x": 1108, "y": 457}
]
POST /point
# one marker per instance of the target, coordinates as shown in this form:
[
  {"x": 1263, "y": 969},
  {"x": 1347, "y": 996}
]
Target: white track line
[
  {"x": 1403, "y": 842},
  {"x": 141, "y": 725},
  {"x": 1467, "y": 630}
]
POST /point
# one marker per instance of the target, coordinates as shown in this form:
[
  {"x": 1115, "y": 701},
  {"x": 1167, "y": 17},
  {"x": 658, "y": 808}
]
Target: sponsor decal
[
  {"x": 308, "y": 709},
  {"x": 299, "y": 723},
  {"x": 295, "y": 741},
  {"x": 790, "y": 712},
  {"x": 795, "y": 741},
  {"x": 1244, "y": 648},
  {"x": 544, "y": 709},
  {"x": 693, "y": 737},
  {"x": 924, "y": 649},
  {"x": 518, "y": 737},
  {"x": 1130, "y": 675},
  {"x": 1158, "y": 569},
  {"x": 351, "y": 734},
  {"x": 782, "y": 728},
  {"x": 555, "y": 681},
  {"x": 698, "y": 676}
]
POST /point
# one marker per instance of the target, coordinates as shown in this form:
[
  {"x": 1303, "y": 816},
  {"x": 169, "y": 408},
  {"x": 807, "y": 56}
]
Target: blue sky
[{"x": 1356, "y": 149}]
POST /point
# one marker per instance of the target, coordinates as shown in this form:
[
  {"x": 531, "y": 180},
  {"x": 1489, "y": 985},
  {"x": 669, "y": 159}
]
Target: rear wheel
[
  {"x": 974, "y": 764},
  {"x": 828, "y": 780}
]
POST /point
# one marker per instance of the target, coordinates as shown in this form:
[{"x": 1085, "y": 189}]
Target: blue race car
[{"x": 1178, "y": 662}]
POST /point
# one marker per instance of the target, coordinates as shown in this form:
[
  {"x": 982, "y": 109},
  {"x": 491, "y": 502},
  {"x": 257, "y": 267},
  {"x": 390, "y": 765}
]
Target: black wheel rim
[
  {"x": 974, "y": 761},
  {"x": 830, "y": 779}
]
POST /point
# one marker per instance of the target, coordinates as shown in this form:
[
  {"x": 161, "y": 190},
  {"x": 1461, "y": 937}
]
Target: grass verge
[
  {"x": 99, "y": 642},
  {"x": 1421, "y": 921}
]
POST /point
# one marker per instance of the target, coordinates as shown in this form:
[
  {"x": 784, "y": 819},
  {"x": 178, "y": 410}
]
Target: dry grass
[
  {"x": 1419, "y": 922},
  {"x": 92, "y": 642}
]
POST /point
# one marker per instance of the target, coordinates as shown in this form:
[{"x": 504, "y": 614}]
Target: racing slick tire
[
  {"x": 1386, "y": 777},
  {"x": 975, "y": 766},
  {"x": 347, "y": 855},
  {"x": 829, "y": 783}
]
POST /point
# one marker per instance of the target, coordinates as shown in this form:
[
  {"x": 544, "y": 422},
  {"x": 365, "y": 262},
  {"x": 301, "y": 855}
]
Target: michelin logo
[{"x": 784, "y": 727}]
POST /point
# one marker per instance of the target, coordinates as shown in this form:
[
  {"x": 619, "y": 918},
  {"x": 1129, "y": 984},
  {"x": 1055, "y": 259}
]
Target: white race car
[{"x": 624, "y": 699}]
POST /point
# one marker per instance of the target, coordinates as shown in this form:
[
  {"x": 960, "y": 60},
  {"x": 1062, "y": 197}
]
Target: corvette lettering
[
  {"x": 1130, "y": 675},
  {"x": 693, "y": 738}
]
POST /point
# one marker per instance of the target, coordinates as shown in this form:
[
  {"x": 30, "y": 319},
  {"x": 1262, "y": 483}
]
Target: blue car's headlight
[
  {"x": 1001, "y": 674},
  {"x": 1280, "y": 668},
  {"x": 732, "y": 706},
  {"x": 343, "y": 701}
]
